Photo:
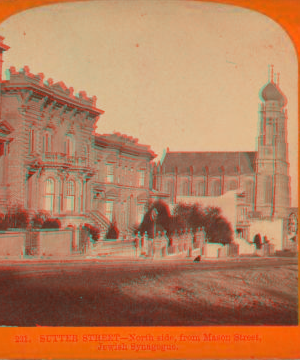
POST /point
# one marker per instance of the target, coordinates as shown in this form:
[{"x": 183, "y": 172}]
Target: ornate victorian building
[{"x": 51, "y": 158}]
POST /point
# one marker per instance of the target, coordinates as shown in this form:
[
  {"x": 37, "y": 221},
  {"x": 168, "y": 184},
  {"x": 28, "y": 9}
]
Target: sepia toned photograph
[{"x": 148, "y": 166}]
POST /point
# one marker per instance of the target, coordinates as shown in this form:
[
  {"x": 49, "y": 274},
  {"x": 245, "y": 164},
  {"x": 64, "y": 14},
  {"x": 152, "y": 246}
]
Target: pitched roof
[{"x": 231, "y": 161}]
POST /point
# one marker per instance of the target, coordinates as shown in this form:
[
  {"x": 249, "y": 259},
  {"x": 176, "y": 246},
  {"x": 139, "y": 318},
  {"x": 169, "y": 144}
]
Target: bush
[
  {"x": 112, "y": 232},
  {"x": 51, "y": 224},
  {"x": 38, "y": 219},
  {"x": 217, "y": 228},
  {"x": 93, "y": 231},
  {"x": 3, "y": 223},
  {"x": 163, "y": 220},
  {"x": 16, "y": 218}
]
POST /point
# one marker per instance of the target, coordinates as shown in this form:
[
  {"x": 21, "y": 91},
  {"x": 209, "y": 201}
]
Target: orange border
[{"x": 277, "y": 342}]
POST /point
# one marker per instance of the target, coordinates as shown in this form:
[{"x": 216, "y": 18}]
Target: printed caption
[{"x": 138, "y": 343}]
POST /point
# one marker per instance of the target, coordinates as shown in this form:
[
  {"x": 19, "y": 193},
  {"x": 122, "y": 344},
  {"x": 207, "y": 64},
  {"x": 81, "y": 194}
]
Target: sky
[{"x": 179, "y": 74}]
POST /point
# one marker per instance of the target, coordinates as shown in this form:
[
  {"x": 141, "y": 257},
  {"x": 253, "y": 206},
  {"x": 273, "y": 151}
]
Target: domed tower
[{"x": 272, "y": 167}]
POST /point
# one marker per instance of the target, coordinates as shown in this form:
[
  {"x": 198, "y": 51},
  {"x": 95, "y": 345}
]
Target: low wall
[
  {"x": 245, "y": 247},
  {"x": 56, "y": 243},
  {"x": 213, "y": 250},
  {"x": 12, "y": 243},
  {"x": 114, "y": 248},
  {"x": 272, "y": 230}
]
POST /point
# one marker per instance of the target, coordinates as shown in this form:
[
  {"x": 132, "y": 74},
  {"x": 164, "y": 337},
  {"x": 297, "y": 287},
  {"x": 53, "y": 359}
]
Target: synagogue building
[{"x": 51, "y": 159}]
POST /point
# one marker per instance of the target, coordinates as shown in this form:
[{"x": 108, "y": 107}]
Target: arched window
[
  {"x": 47, "y": 142},
  {"x": 49, "y": 195},
  {"x": 32, "y": 140},
  {"x": 184, "y": 188},
  {"x": 232, "y": 185},
  {"x": 131, "y": 177},
  {"x": 69, "y": 145},
  {"x": 200, "y": 190},
  {"x": 215, "y": 188},
  {"x": 268, "y": 190},
  {"x": 109, "y": 173},
  {"x": 70, "y": 198},
  {"x": 141, "y": 177},
  {"x": 249, "y": 192},
  {"x": 167, "y": 187}
]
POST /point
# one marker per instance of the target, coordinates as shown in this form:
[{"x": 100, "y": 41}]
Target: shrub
[
  {"x": 3, "y": 223},
  {"x": 112, "y": 232},
  {"x": 93, "y": 231},
  {"x": 17, "y": 218},
  {"x": 163, "y": 220},
  {"x": 51, "y": 224},
  {"x": 38, "y": 219}
]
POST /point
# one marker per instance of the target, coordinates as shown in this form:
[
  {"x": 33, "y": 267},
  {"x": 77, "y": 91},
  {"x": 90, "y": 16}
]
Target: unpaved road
[{"x": 246, "y": 291}]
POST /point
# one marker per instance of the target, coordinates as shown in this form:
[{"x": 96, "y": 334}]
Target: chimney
[{"x": 3, "y": 47}]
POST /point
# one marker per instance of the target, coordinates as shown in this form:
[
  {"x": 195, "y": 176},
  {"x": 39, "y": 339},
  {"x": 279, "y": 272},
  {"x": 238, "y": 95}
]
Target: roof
[
  {"x": 124, "y": 143},
  {"x": 212, "y": 162},
  {"x": 25, "y": 80},
  {"x": 271, "y": 92}
]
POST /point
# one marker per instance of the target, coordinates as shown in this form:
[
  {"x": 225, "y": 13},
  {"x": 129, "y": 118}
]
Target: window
[
  {"x": 200, "y": 189},
  {"x": 232, "y": 185},
  {"x": 70, "y": 198},
  {"x": 140, "y": 212},
  {"x": 109, "y": 210},
  {"x": 215, "y": 188},
  {"x": 86, "y": 154},
  {"x": 249, "y": 192},
  {"x": 131, "y": 177},
  {"x": 268, "y": 190},
  {"x": 2, "y": 152},
  {"x": 141, "y": 178},
  {"x": 49, "y": 195},
  {"x": 69, "y": 145},
  {"x": 167, "y": 187},
  {"x": 109, "y": 173},
  {"x": 125, "y": 176},
  {"x": 184, "y": 188},
  {"x": 32, "y": 140},
  {"x": 47, "y": 142}
]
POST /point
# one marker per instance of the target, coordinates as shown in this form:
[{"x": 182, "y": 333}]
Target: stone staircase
[{"x": 100, "y": 220}]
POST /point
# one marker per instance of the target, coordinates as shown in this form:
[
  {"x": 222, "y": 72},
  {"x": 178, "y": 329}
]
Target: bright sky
[{"x": 182, "y": 75}]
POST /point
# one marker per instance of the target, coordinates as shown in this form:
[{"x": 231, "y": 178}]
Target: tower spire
[{"x": 272, "y": 73}]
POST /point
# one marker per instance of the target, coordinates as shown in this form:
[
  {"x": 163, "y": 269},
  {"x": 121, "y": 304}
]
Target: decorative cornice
[
  {"x": 24, "y": 79},
  {"x": 125, "y": 144}
]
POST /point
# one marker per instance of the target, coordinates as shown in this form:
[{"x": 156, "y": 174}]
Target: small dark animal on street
[{"x": 198, "y": 258}]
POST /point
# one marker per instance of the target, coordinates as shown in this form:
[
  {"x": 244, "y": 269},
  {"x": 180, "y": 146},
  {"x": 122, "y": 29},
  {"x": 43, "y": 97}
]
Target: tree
[
  {"x": 188, "y": 217},
  {"x": 193, "y": 216},
  {"x": 112, "y": 232},
  {"x": 217, "y": 228},
  {"x": 257, "y": 241},
  {"x": 163, "y": 219}
]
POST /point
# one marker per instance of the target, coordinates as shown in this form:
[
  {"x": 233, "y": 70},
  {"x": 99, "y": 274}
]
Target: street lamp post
[{"x": 154, "y": 215}]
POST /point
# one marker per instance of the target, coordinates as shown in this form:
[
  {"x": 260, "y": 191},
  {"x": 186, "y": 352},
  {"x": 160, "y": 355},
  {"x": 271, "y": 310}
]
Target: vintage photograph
[{"x": 148, "y": 166}]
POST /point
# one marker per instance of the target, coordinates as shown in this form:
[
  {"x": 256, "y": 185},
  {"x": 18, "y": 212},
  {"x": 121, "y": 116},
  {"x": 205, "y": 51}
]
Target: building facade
[
  {"x": 259, "y": 179},
  {"x": 51, "y": 159}
]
